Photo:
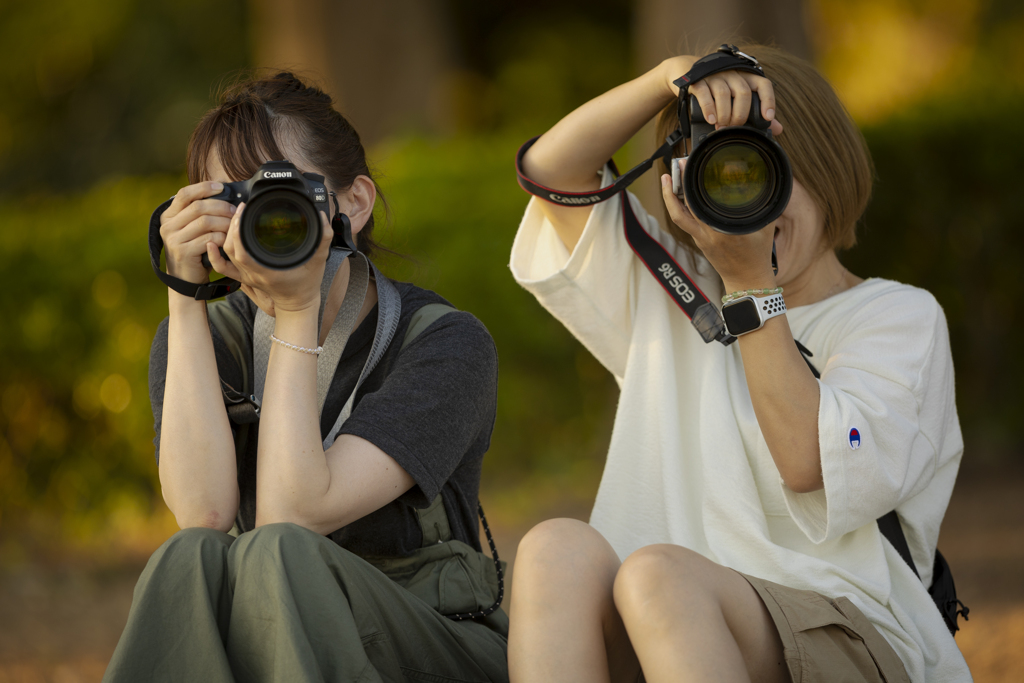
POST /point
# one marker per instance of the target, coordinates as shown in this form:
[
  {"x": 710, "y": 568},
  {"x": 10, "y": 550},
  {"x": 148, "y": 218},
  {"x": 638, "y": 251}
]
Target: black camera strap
[
  {"x": 703, "y": 314},
  {"x": 203, "y": 291}
]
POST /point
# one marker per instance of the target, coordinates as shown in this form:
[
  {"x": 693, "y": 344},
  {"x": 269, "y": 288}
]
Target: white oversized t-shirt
[{"x": 687, "y": 462}]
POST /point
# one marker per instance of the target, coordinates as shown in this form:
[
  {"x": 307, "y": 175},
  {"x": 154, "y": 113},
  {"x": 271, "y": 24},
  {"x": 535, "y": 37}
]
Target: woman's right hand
[
  {"x": 189, "y": 224},
  {"x": 724, "y": 97}
]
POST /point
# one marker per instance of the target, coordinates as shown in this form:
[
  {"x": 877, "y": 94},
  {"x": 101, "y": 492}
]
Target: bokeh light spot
[
  {"x": 109, "y": 288},
  {"x": 115, "y": 393},
  {"x": 86, "y": 397}
]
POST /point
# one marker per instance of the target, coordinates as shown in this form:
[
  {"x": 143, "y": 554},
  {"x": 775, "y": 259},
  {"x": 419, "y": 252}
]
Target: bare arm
[
  {"x": 296, "y": 480},
  {"x": 782, "y": 388},
  {"x": 568, "y": 156},
  {"x": 198, "y": 475}
]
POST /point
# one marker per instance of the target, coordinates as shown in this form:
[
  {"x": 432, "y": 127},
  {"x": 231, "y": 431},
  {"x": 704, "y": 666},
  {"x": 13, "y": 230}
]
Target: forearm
[
  {"x": 785, "y": 397},
  {"x": 198, "y": 472},
  {"x": 568, "y": 155},
  {"x": 292, "y": 474}
]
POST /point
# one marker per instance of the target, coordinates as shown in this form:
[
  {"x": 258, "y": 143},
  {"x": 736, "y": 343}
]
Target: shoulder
[
  {"x": 893, "y": 329},
  {"x": 449, "y": 333},
  {"x": 879, "y": 306}
]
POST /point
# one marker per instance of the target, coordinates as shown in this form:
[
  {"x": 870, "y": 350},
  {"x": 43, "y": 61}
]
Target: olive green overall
[{"x": 282, "y": 603}]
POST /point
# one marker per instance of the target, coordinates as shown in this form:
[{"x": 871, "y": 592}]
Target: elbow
[{"x": 203, "y": 514}]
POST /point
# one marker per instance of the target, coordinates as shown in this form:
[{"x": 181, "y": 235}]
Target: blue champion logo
[{"x": 854, "y": 438}]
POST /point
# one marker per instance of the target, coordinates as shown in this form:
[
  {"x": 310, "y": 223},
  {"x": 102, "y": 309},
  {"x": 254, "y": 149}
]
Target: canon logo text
[{"x": 573, "y": 200}]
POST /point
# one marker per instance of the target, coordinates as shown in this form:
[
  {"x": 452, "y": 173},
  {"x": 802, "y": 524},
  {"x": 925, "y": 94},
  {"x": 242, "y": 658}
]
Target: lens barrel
[
  {"x": 737, "y": 180},
  {"x": 280, "y": 228}
]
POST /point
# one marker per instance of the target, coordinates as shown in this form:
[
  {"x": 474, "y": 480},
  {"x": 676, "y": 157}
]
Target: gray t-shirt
[{"x": 429, "y": 406}]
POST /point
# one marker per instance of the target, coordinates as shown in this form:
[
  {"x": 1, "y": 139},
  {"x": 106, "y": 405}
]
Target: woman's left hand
[
  {"x": 743, "y": 261},
  {"x": 294, "y": 289}
]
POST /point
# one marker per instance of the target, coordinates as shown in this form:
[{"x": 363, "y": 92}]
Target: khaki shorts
[{"x": 828, "y": 640}]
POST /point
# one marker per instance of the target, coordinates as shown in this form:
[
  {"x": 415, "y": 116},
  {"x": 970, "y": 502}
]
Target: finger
[
  {"x": 765, "y": 91},
  {"x": 740, "y": 98},
  {"x": 189, "y": 194},
  {"x": 677, "y": 211},
  {"x": 233, "y": 244},
  {"x": 219, "y": 263},
  {"x": 326, "y": 229},
  {"x": 202, "y": 226},
  {"x": 194, "y": 211},
  {"x": 723, "y": 100},
  {"x": 702, "y": 92},
  {"x": 776, "y": 127}
]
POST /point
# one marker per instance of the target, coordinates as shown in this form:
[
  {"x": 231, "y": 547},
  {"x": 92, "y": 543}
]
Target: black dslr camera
[
  {"x": 281, "y": 224},
  {"x": 737, "y": 179}
]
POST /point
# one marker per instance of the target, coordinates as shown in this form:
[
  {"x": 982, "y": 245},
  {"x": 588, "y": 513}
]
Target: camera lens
[
  {"x": 736, "y": 179},
  {"x": 280, "y": 228}
]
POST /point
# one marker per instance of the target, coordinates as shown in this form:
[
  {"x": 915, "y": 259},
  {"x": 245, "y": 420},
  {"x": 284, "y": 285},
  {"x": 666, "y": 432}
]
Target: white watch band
[{"x": 770, "y": 306}]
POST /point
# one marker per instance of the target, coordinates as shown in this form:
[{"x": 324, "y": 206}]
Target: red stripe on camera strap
[{"x": 666, "y": 270}]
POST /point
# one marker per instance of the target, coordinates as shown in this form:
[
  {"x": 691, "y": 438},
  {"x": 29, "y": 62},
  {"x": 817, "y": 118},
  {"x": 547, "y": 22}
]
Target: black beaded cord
[{"x": 501, "y": 576}]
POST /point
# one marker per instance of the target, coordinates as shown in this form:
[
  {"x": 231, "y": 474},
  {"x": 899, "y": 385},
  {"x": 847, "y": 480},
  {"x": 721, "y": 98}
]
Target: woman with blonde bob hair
[{"x": 734, "y": 534}]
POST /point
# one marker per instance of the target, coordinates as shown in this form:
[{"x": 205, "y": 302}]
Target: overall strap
[{"x": 434, "y": 523}]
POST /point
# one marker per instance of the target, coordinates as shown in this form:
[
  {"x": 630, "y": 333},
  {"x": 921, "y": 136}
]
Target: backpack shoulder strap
[{"x": 423, "y": 318}]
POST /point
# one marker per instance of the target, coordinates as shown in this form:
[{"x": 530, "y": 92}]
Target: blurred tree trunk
[
  {"x": 386, "y": 64},
  {"x": 663, "y": 28}
]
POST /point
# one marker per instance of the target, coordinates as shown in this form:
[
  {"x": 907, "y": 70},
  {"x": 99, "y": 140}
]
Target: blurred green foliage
[
  {"x": 97, "y": 89},
  {"x": 79, "y": 310}
]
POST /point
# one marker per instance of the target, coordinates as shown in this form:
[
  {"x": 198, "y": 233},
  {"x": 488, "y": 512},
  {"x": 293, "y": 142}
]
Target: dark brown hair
[
  {"x": 255, "y": 116},
  {"x": 826, "y": 149}
]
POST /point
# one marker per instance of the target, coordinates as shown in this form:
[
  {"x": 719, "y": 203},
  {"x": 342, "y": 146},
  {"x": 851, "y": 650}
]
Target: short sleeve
[
  {"x": 436, "y": 403},
  {"x": 593, "y": 290},
  {"x": 886, "y": 417}
]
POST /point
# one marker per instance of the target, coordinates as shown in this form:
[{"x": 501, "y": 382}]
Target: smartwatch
[{"x": 749, "y": 313}]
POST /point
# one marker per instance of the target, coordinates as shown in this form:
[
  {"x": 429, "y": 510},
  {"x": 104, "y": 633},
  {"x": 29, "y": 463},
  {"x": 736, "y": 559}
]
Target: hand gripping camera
[
  {"x": 281, "y": 224},
  {"x": 737, "y": 179}
]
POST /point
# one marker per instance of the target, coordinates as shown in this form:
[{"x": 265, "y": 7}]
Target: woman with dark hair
[
  {"x": 354, "y": 552},
  {"x": 734, "y": 535}
]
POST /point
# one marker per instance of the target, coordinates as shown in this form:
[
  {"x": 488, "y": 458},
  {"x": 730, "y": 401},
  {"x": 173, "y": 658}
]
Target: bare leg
[
  {"x": 564, "y": 626},
  {"x": 693, "y": 620}
]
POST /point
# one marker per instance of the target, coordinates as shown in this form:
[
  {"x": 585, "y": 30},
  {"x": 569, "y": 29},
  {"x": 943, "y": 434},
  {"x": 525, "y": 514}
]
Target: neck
[
  {"x": 337, "y": 294},
  {"x": 824, "y": 278}
]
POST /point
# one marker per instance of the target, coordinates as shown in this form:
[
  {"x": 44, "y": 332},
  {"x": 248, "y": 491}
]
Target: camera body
[
  {"x": 281, "y": 223},
  {"x": 737, "y": 179}
]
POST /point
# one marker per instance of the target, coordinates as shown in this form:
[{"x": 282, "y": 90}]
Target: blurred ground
[{"x": 60, "y": 621}]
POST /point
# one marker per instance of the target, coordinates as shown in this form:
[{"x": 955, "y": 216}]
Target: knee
[
  {"x": 191, "y": 548},
  {"x": 561, "y": 551},
  {"x": 279, "y": 539},
  {"x": 647, "y": 575},
  {"x": 196, "y": 541}
]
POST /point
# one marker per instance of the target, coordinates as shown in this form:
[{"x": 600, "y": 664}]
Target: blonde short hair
[{"x": 826, "y": 149}]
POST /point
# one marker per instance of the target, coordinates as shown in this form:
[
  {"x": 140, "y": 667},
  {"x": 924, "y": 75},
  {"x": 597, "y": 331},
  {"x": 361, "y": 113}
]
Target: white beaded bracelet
[{"x": 313, "y": 352}]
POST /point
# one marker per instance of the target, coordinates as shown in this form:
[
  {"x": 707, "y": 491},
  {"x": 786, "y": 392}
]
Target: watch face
[{"x": 741, "y": 316}]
